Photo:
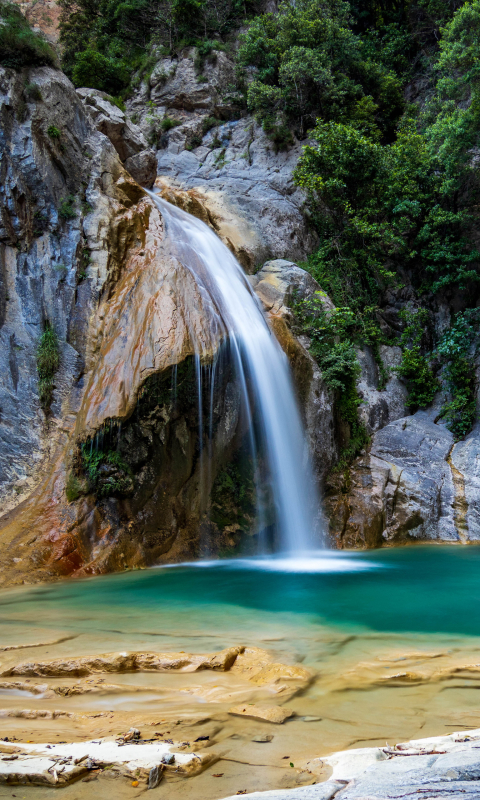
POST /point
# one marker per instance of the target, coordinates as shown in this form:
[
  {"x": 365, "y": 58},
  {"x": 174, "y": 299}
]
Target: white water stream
[{"x": 263, "y": 374}]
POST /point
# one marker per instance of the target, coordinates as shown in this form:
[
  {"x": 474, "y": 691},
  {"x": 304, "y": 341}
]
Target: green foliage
[
  {"x": 233, "y": 496},
  {"x": 53, "y": 132},
  {"x": 66, "y": 209},
  {"x": 457, "y": 350},
  {"x": 333, "y": 335},
  {"x": 73, "y": 488},
  {"x": 32, "y": 92},
  {"x": 107, "y": 42},
  {"x": 415, "y": 368},
  {"x": 48, "y": 360},
  {"x": 95, "y": 70},
  {"x": 208, "y": 123},
  {"x": 107, "y": 473},
  {"x": 381, "y": 209},
  {"x": 19, "y": 45},
  {"x": 309, "y": 63},
  {"x": 168, "y": 123}
]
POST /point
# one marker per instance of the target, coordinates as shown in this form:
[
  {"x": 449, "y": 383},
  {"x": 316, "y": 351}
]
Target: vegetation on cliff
[
  {"x": 106, "y": 43},
  {"x": 19, "y": 45},
  {"x": 392, "y": 187},
  {"x": 48, "y": 361}
]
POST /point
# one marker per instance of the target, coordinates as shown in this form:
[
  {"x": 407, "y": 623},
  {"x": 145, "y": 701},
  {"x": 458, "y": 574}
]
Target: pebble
[{"x": 262, "y": 737}]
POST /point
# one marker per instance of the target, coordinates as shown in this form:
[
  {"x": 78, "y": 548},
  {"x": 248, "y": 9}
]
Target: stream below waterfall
[{"x": 393, "y": 636}]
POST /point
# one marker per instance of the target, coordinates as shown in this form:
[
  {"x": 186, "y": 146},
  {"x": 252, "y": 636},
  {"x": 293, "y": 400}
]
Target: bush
[
  {"x": 53, "y": 132},
  {"x": 66, "y": 209},
  {"x": 96, "y": 71},
  {"x": 168, "y": 123},
  {"x": 32, "y": 92},
  {"x": 48, "y": 361},
  {"x": 19, "y": 45}
]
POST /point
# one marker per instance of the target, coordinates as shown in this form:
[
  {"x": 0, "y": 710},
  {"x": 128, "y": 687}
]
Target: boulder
[{"x": 143, "y": 167}]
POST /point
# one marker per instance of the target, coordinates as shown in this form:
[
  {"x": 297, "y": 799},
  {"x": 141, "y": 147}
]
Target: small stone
[
  {"x": 132, "y": 735},
  {"x": 168, "y": 758},
  {"x": 311, "y": 719},
  {"x": 155, "y": 776},
  {"x": 262, "y": 737}
]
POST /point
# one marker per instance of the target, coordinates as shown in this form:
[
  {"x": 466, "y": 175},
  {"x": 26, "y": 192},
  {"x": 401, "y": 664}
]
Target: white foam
[{"x": 321, "y": 561}]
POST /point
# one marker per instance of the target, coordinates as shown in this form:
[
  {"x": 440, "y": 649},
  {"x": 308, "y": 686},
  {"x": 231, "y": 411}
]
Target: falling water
[{"x": 262, "y": 370}]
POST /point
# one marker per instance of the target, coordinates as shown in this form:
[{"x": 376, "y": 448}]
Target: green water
[
  {"x": 391, "y": 636},
  {"x": 422, "y": 589}
]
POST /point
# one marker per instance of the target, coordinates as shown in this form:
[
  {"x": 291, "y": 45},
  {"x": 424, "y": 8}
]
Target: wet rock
[
  {"x": 279, "y": 284},
  {"x": 275, "y": 714},
  {"x": 127, "y": 662},
  {"x": 132, "y": 735}
]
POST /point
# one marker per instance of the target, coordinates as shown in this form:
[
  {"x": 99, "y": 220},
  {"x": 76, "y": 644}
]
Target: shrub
[
  {"x": 53, "y": 132},
  {"x": 97, "y": 71},
  {"x": 457, "y": 351},
  {"x": 208, "y": 123},
  {"x": 48, "y": 360},
  {"x": 66, "y": 209},
  {"x": 19, "y": 45},
  {"x": 168, "y": 123},
  {"x": 415, "y": 369},
  {"x": 32, "y": 92}
]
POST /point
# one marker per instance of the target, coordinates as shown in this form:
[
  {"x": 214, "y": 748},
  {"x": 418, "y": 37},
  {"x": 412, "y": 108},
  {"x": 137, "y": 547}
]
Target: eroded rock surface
[
  {"x": 127, "y": 139},
  {"x": 401, "y": 490}
]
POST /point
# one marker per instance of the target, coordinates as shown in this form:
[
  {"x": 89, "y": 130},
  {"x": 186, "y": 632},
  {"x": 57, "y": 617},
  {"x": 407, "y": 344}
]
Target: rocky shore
[{"x": 436, "y": 768}]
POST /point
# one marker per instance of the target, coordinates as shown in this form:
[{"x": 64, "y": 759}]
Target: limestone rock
[
  {"x": 127, "y": 138},
  {"x": 280, "y": 283},
  {"x": 402, "y": 489},
  {"x": 275, "y": 714},
  {"x": 465, "y": 465},
  {"x": 110, "y": 120},
  {"x": 380, "y": 406},
  {"x": 143, "y": 167},
  {"x": 253, "y": 182},
  {"x": 127, "y": 662}
]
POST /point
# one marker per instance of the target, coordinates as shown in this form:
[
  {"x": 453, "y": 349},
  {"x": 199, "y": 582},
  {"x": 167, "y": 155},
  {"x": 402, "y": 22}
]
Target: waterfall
[{"x": 267, "y": 395}]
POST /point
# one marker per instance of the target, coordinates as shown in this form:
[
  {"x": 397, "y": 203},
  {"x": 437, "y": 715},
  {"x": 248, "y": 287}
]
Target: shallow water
[{"x": 394, "y": 636}]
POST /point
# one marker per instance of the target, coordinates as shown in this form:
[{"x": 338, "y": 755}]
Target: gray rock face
[
  {"x": 142, "y": 167},
  {"x": 127, "y": 138},
  {"x": 380, "y": 406},
  {"x": 233, "y": 165},
  {"x": 175, "y": 83},
  {"x": 38, "y": 259},
  {"x": 53, "y": 265},
  {"x": 402, "y": 489},
  {"x": 252, "y": 180}
]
